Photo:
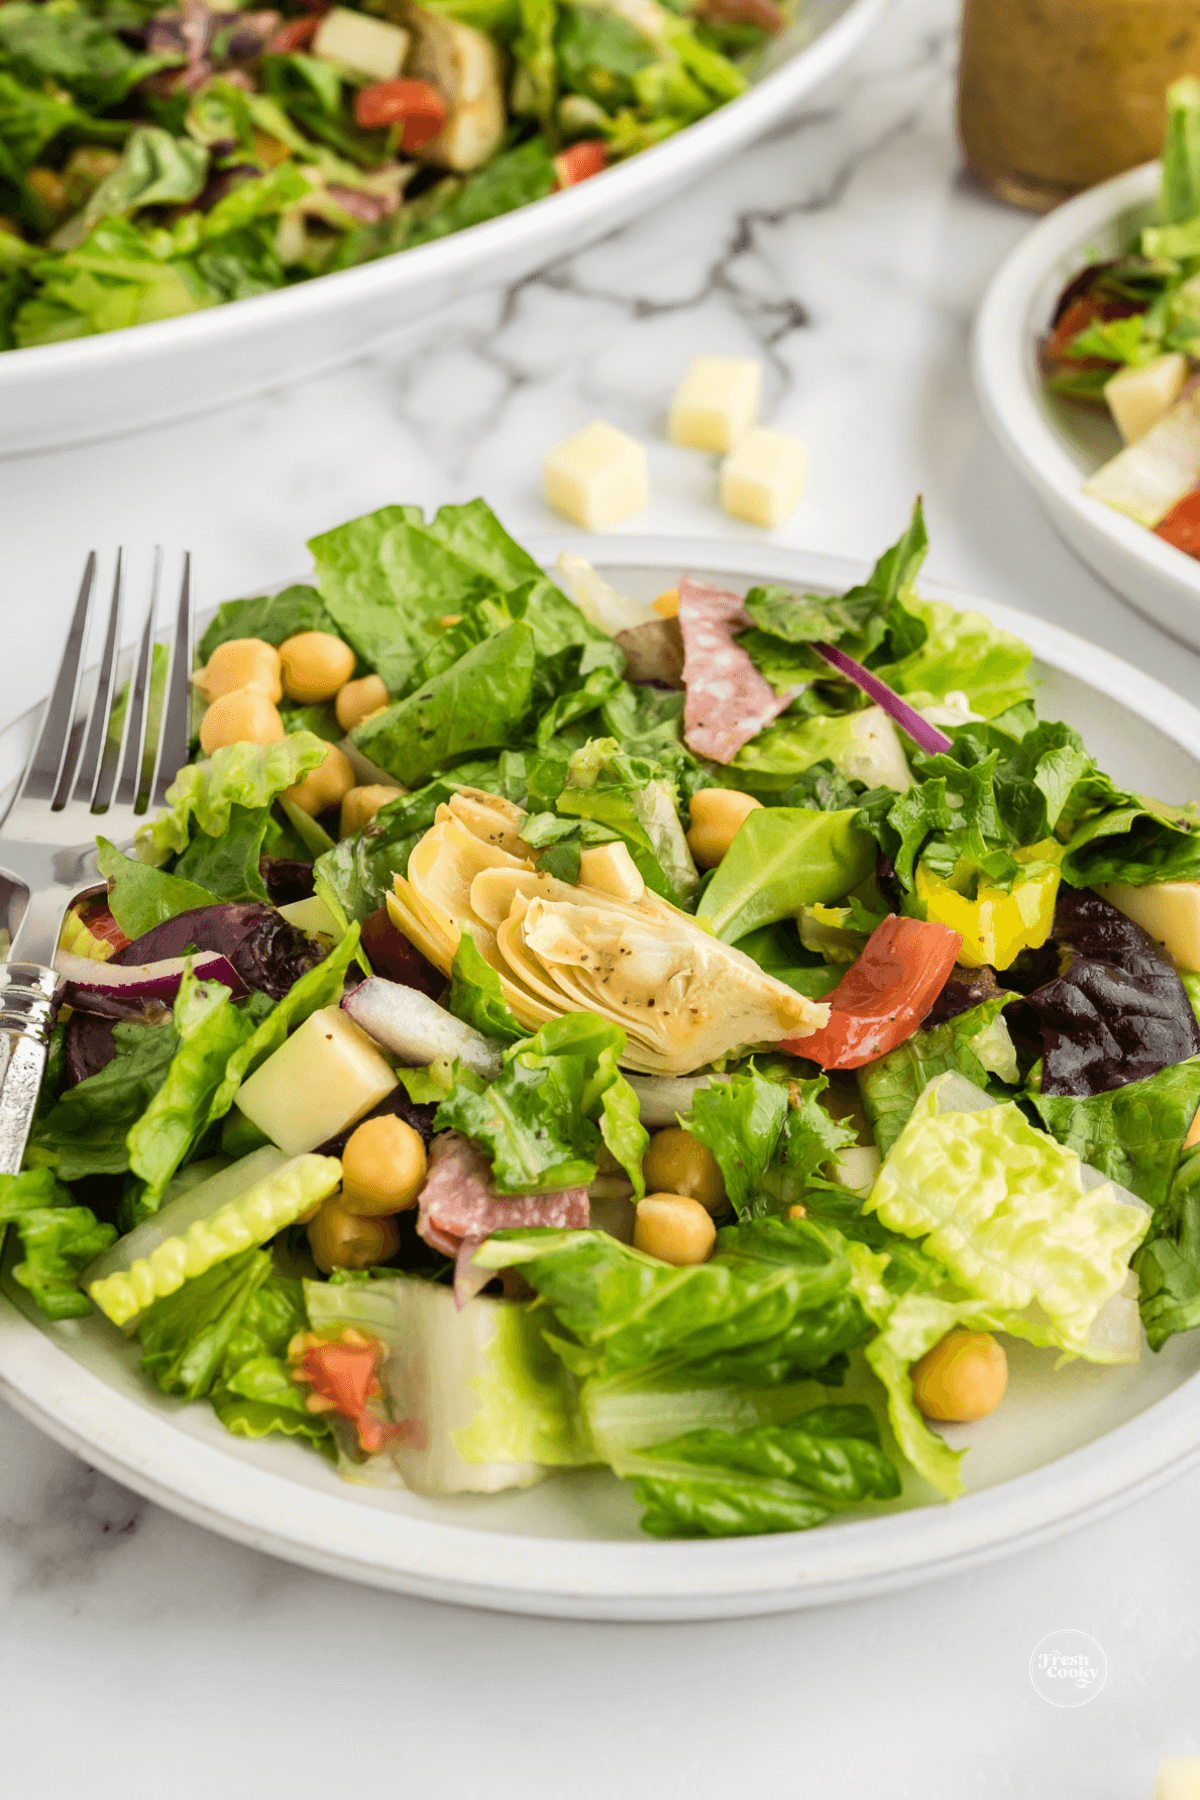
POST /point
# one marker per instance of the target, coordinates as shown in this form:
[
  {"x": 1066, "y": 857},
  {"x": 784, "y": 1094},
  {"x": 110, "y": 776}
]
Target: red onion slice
[
  {"x": 126, "y": 990},
  {"x": 922, "y": 733}
]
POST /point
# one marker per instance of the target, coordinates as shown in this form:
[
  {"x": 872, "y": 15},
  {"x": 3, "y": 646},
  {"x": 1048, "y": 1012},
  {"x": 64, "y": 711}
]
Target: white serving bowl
[
  {"x": 1057, "y": 443},
  {"x": 1065, "y": 1446},
  {"x": 97, "y": 387}
]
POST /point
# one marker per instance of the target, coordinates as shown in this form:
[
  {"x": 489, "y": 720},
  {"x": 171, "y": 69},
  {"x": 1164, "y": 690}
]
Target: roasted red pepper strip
[
  {"x": 882, "y": 998},
  {"x": 345, "y": 1376},
  {"x": 415, "y": 106}
]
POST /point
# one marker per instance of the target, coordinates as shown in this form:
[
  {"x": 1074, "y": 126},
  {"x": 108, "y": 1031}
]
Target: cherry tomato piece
[
  {"x": 293, "y": 36},
  {"x": 414, "y": 105},
  {"x": 580, "y": 161},
  {"x": 882, "y": 998},
  {"x": 1181, "y": 526}
]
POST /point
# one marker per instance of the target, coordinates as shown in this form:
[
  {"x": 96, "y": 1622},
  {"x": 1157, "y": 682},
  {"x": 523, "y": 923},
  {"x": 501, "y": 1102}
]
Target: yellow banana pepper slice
[{"x": 999, "y": 922}]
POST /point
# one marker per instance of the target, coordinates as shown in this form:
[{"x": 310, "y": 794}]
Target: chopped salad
[
  {"x": 157, "y": 160},
  {"x": 547, "y": 1030},
  {"x": 1125, "y": 336}
]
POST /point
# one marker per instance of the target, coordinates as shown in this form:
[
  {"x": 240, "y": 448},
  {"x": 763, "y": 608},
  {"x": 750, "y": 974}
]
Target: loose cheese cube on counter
[
  {"x": 763, "y": 481},
  {"x": 326, "y": 1076},
  {"x": 368, "y": 46},
  {"x": 716, "y": 402},
  {"x": 1168, "y": 910},
  {"x": 598, "y": 477},
  {"x": 1178, "y": 1779},
  {"x": 1139, "y": 399}
]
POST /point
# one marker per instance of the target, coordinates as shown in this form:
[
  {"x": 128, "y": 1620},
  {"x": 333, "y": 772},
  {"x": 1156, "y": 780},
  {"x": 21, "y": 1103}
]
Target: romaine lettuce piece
[
  {"x": 769, "y": 1478},
  {"x": 58, "y": 1238},
  {"x": 210, "y": 1028},
  {"x": 249, "y": 775},
  {"x": 772, "y": 1305},
  {"x": 974, "y": 1044},
  {"x": 1168, "y": 1263},
  {"x": 486, "y": 1402},
  {"x": 250, "y": 1219},
  {"x": 84, "y": 1131},
  {"x": 274, "y": 618},
  {"x": 1133, "y": 1133},
  {"x": 558, "y": 1096},
  {"x": 1009, "y": 1212},
  {"x": 481, "y": 702}
]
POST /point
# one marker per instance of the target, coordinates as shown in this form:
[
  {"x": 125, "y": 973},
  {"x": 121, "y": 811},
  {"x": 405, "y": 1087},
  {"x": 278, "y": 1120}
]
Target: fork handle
[{"x": 28, "y": 1004}]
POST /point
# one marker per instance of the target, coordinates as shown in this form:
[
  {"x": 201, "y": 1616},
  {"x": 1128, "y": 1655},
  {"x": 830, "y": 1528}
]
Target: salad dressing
[{"x": 1056, "y": 95}]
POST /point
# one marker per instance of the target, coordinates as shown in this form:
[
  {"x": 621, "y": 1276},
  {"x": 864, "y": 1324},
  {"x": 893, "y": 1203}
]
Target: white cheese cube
[
  {"x": 1168, "y": 910},
  {"x": 611, "y": 869},
  {"x": 325, "y": 1077},
  {"x": 597, "y": 477},
  {"x": 1178, "y": 1779},
  {"x": 312, "y": 917},
  {"x": 1139, "y": 399},
  {"x": 763, "y": 481},
  {"x": 357, "y": 41},
  {"x": 716, "y": 402}
]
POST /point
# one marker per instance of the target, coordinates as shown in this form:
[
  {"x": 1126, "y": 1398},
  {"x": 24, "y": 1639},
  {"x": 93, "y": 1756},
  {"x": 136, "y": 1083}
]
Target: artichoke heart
[{"x": 683, "y": 997}]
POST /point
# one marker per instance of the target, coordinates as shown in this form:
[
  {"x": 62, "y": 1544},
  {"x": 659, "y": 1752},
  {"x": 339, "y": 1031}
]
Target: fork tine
[
  {"x": 47, "y": 765},
  {"x": 174, "y": 735},
  {"x": 133, "y": 747},
  {"x": 91, "y": 763}
]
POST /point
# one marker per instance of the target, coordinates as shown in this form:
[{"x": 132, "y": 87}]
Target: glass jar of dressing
[{"x": 1055, "y": 95}]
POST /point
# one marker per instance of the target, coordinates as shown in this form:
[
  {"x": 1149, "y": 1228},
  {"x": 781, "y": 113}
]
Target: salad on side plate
[
  {"x": 1125, "y": 337},
  {"x": 546, "y": 1030},
  {"x": 156, "y": 160}
]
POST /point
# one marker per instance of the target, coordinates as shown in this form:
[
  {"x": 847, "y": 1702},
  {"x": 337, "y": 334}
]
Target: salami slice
[
  {"x": 728, "y": 701},
  {"x": 457, "y": 1208}
]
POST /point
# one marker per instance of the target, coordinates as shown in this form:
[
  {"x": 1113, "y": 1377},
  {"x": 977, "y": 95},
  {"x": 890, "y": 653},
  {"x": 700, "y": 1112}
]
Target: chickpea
[
  {"x": 717, "y": 816},
  {"x": 240, "y": 663},
  {"x": 315, "y": 665},
  {"x": 50, "y": 188},
  {"x": 246, "y": 717},
  {"x": 678, "y": 1163},
  {"x": 674, "y": 1228},
  {"x": 325, "y": 785},
  {"x": 383, "y": 1167},
  {"x": 667, "y": 604},
  {"x": 341, "y": 1240},
  {"x": 356, "y": 700},
  {"x": 361, "y": 804},
  {"x": 963, "y": 1377}
]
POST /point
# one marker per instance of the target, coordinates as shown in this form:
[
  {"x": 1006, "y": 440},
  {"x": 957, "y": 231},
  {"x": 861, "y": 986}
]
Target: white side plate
[
  {"x": 1056, "y": 443},
  {"x": 1063, "y": 1448}
]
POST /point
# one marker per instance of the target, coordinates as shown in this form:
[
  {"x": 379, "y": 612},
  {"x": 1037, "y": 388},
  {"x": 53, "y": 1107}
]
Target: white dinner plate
[
  {"x": 1057, "y": 443},
  {"x": 95, "y": 387},
  {"x": 1062, "y": 1448}
]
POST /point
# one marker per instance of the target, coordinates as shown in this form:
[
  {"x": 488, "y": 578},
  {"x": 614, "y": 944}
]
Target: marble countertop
[{"x": 139, "y": 1654}]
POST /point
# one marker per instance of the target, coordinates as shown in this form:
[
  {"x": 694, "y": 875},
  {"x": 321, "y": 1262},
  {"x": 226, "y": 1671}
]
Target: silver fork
[{"x": 76, "y": 783}]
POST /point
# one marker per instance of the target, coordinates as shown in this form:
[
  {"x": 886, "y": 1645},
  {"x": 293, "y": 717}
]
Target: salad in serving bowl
[
  {"x": 159, "y": 161},
  {"x": 549, "y": 1031}
]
